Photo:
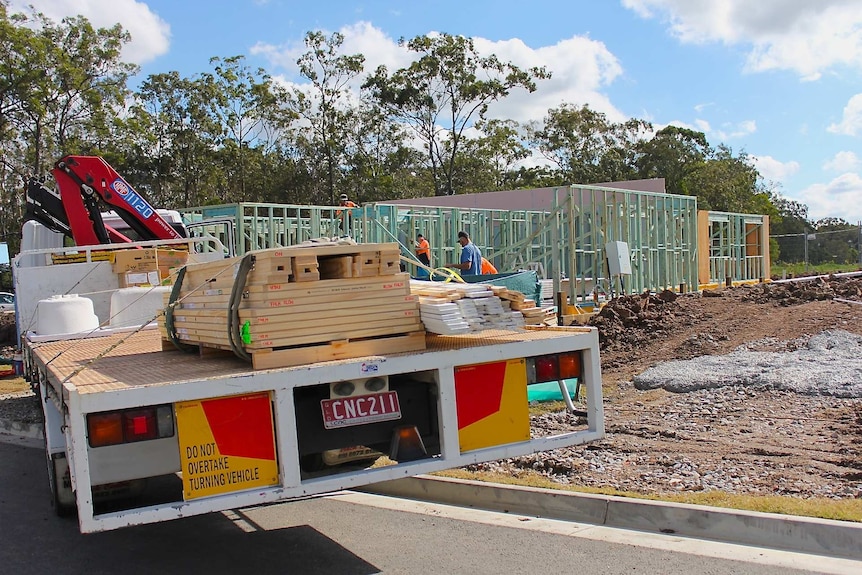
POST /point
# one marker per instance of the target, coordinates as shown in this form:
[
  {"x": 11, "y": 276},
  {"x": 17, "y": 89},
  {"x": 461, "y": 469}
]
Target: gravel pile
[{"x": 829, "y": 363}]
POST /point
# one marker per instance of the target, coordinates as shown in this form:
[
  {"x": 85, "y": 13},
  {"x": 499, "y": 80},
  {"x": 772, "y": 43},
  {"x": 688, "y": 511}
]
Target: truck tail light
[
  {"x": 570, "y": 365},
  {"x": 130, "y": 425},
  {"x": 105, "y": 429},
  {"x": 140, "y": 425},
  {"x": 555, "y": 367}
]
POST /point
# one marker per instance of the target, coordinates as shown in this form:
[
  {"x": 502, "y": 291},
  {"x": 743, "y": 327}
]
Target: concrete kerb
[{"x": 838, "y": 539}]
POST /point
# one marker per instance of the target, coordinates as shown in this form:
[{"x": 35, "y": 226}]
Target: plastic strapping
[{"x": 170, "y": 326}]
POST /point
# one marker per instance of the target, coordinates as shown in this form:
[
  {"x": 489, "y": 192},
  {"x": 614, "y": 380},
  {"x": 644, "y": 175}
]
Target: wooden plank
[
  {"x": 360, "y": 307},
  {"x": 291, "y": 323},
  {"x": 341, "y": 285},
  {"x": 329, "y": 326},
  {"x": 325, "y": 250},
  {"x": 386, "y": 292},
  {"x": 370, "y": 330},
  {"x": 414, "y": 341}
]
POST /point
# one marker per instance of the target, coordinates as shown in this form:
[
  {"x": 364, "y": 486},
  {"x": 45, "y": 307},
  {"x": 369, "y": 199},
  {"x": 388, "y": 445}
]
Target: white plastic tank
[
  {"x": 62, "y": 314},
  {"x": 135, "y": 306}
]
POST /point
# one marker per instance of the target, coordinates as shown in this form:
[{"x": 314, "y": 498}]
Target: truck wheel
[{"x": 62, "y": 496}]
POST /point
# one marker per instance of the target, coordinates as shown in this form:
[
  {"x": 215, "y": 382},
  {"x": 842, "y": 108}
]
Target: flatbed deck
[{"x": 123, "y": 361}]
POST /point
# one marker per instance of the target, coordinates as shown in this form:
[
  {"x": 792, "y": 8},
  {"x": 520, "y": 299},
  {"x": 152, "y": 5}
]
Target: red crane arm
[{"x": 83, "y": 180}]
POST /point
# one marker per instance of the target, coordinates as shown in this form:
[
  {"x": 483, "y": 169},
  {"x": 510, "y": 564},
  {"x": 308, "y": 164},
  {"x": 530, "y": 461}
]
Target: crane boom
[{"x": 83, "y": 181}]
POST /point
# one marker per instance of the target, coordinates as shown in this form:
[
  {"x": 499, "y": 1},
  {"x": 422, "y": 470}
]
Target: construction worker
[
  {"x": 423, "y": 253},
  {"x": 488, "y": 267},
  {"x": 344, "y": 215},
  {"x": 471, "y": 257}
]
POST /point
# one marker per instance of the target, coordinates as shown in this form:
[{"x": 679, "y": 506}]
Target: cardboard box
[
  {"x": 148, "y": 260},
  {"x": 135, "y": 279}
]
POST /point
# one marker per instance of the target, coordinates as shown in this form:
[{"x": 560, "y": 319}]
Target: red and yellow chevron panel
[
  {"x": 226, "y": 444},
  {"x": 492, "y": 406}
]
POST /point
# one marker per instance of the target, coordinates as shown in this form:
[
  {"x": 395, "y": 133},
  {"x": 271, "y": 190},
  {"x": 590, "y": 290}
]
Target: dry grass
[
  {"x": 843, "y": 510},
  {"x": 13, "y": 385}
]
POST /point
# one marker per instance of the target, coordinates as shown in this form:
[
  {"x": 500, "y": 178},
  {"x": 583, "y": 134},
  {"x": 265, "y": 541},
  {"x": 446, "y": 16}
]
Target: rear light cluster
[
  {"x": 555, "y": 367},
  {"x": 130, "y": 425}
]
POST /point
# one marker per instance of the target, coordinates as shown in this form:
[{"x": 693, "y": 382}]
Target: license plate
[{"x": 360, "y": 409}]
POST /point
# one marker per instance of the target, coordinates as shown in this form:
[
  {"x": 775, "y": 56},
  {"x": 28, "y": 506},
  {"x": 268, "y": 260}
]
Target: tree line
[{"x": 233, "y": 133}]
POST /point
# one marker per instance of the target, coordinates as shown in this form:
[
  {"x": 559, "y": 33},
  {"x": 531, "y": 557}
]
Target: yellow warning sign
[{"x": 227, "y": 444}]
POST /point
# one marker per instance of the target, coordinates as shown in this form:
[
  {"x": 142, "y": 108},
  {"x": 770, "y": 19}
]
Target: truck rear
[{"x": 139, "y": 430}]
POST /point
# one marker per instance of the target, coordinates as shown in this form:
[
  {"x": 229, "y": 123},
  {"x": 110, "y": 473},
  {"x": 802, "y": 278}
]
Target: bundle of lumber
[
  {"x": 301, "y": 304},
  {"x": 453, "y": 308}
]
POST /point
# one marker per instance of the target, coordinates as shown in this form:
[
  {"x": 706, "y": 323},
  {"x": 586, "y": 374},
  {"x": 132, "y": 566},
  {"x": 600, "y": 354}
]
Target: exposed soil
[{"x": 733, "y": 438}]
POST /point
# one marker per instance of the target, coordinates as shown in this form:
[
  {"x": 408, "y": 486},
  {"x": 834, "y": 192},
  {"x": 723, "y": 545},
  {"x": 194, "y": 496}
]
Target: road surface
[{"x": 350, "y": 533}]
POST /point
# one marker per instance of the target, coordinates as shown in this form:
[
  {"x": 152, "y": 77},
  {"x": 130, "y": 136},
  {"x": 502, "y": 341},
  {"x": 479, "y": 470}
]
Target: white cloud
[
  {"x": 774, "y": 170},
  {"x": 843, "y": 162},
  {"x": 839, "y": 198},
  {"x": 580, "y": 68},
  {"x": 799, "y": 35},
  {"x": 150, "y": 34},
  {"x": 851, "y": 122},
  {"x": 744, "y": 128},
  {"x": 359, "y": 38}
]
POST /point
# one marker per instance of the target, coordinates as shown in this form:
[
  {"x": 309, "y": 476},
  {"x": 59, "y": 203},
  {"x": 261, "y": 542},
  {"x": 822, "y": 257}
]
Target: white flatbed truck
[{"x": 136, "y": 433}]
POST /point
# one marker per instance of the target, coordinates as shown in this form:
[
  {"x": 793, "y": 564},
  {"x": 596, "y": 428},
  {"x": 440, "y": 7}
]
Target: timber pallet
[
  {"x": 335, "y": 349},
  {"x": 297, "y": 304}
]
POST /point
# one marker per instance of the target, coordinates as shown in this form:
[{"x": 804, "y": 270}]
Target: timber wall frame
[
  {"x": 733, "y": 247},
  {"x": 671, "y": 244}
]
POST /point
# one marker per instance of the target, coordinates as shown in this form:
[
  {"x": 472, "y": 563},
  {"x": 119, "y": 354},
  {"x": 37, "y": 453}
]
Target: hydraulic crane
[{"x": 75, "y": 211}]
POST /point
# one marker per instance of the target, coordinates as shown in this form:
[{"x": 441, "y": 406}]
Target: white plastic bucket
[{"x": 62, "y": 314}]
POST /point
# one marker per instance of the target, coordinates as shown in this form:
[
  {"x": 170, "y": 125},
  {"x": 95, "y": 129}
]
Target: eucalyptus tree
[
  {"x": 725, "y": 183},
  {"x": 171, "y": 136},
  {"x": 325, "y": 107},
  {"x": 242, "y": 101},
  {"x": 443, "y": 92},
  {"x": 379, "y": 162},
  {"x": 501, "y": 147},
  {"x": 74, "y": 85},
  {"x": 673, "y": 153},
  {"x": 587, "y": 147}
]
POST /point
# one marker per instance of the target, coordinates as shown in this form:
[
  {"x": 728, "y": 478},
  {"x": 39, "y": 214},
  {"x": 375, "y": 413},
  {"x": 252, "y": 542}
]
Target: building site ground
[{"x": 747, "y": 446}]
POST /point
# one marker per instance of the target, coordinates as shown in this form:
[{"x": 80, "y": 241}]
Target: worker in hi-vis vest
[{"x": 423, "y": 254}]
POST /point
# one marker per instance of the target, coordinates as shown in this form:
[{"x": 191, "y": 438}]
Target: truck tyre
[{"x": 62, "y": 496}]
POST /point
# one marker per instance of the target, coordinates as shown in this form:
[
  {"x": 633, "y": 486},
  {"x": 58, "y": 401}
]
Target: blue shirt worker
[{"x": 471, "y": 257}]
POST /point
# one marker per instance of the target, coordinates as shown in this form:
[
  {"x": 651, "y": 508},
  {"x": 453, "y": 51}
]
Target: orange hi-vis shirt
[
  {"x": 423, "y": 248},
  {"x": 488, "y": 267},
  {"x": 347, "y": 204}
]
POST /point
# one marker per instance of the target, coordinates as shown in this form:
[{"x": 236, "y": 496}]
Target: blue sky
[{"x": 778, "y": 79}]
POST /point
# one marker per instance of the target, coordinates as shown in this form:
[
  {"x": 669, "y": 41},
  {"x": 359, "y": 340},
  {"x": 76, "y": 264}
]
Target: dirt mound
[{"x": 735, "y": 438}]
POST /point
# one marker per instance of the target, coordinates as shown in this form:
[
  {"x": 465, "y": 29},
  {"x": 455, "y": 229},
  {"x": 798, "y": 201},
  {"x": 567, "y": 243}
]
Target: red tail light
[
  {"x": 140, "y": 425},
  {"x": 547, "y": 368},
  {"x": 130, "y": 425}
]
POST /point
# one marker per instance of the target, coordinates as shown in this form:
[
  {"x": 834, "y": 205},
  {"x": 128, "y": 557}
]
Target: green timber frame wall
[
  {"x": 734, "y": 247},
  {"x": 260, "y": 226},
  {"x": 660, "y": 231},
  {"x": 667, "y": 240},
  {"x": 568, "y": 241}
]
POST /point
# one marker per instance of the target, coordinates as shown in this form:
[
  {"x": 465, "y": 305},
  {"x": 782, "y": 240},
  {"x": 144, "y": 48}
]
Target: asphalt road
[{"x": 350, "y": 533}]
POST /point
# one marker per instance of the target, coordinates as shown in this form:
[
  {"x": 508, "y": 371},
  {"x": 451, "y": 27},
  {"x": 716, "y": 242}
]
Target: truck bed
[{"x": 123, "y": 361}]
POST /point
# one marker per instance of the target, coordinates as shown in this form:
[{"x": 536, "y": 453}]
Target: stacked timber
[
  {"x": 533, "y": 314},
  {"x": 300, "y": 304},
  {"x": 453, "y": 308}
]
